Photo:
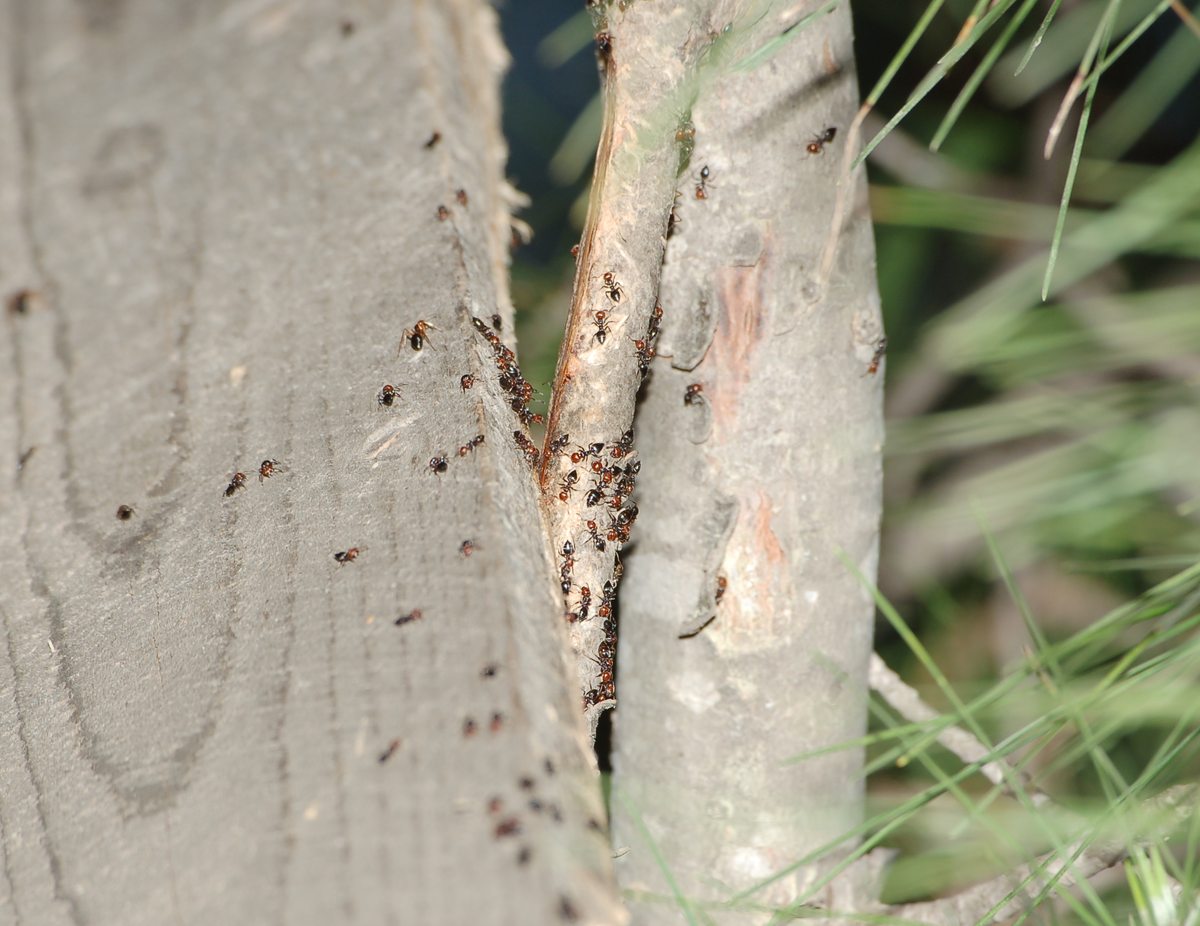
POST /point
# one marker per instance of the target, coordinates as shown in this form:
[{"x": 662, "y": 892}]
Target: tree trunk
[
  {"x": 745, "y": 634},
  {"x": 216, "y": 221}
]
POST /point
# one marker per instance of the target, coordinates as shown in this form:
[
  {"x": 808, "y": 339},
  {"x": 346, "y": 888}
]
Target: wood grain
[{"x": 226, "y": 213}]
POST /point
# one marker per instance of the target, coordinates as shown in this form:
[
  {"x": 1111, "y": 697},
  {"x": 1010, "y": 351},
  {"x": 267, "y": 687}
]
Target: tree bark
[
  {"x": 745, "y": 634},
  {"x": 216, "y": 221}
]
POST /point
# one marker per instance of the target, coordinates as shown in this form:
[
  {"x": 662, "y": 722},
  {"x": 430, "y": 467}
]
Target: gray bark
[
  {"x": 766, "y": 481},
  {"x": 220, "y": 216}
]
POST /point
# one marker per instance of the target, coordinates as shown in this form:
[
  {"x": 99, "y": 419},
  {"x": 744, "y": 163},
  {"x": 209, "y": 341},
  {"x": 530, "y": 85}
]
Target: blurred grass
[{"x": 1041, "y": 543}]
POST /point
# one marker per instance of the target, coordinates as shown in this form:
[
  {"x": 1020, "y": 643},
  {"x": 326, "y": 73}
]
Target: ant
[
  {"x": 461, "y": 196},
  {"x": 467, "y": 548},
  {"x": 612, "y": 288},
  {"x": 470, "y": 445},
  {"x": 418, "y": 334},
  {"x": 124, "y": 513},
  {"x": 818, "y": 143},
  {"x": 602, "y": 326},
  {"x": 443, "y": 213},
  {"x": 237, "y": 482},
  {"x": 575, "y": 250},
  {"x": 673, "y": 221},
  {"x": 585, "y": 602},
  {"x": 497, "y": 722},
  {"x": 390, "y": 751},
  {"x": 497, "y": 321},
  {"x": 702, "y": 186},
  {"x": 532, "y": 454},
  {"x": 645, "y": 353},
  {"x": 592, "y": 450},
  {"x": 387, "y": 395},
  {"x": 348, "y": 556},
  {"x": 466, "y": 382},
  {"x": 559, "y": 444},
  {"x": 655, "y": 324},
  {"x": 568, "y": 555},
  {"x": 594, "y": 497},
  {"x": 508, "y": 827},
  {"x": 438, "y": 465},
  {"x": 567, "y": 486},
  {"x": 268, "y": 468},
  {"x": 20, "y": 301},
  {"x": 691, "y": 395},
  {"x": 880, "y": 350},
  {"x": 623, "y": 446},
  {"x": 594, "y": 537},
  {"x": 468, "y": 727},
  {"x": 722, "y": 587},
  {"x": 433, "y": 139},
  {"x": 604, "y": 44},
  {"x": 408, "y": 618}
]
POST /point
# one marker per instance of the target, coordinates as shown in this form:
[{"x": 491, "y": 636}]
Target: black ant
[
  {"x": 702, "y": 186},
  {"x": 559, "y": 444},
  {"x": 568, "y": 565},
  {"x": 880, "y": 350},
  {"x": 623, "y": 446},
  {"x": 497, "y": 321},
  {"x": 124, "y": 512},
  {"x": 691, "y": 395},
  {"x": 438, "y": 465},
  {"x": 389, "y": 751},
  {"x": 612, "y": 288},
  {"x": 817, "y": 145},
  {"x": 414, "y": 615},
  {"x": 594, "y": 497},
  {"x": 417, "y": 335},
  {"x": 237, "y": 482},
  {"x": 387, "y": 395}
]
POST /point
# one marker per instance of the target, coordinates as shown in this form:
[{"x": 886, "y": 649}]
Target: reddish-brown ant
[
  {"x": 532, "y": 454},
  {"x": 691, "y": 395},
  {"x": 443, "y": 213},
  {"x": 612, "y": 288},
  {"x": 418, "y": 334},
  {"x": 466, "y": 382},
  {"x": 594, "y": 537},
  {"x": 124, "y": 512},
  {"x": 20, "y": 301},
  {"x": 818, "y": 143},
  {"x": 876, "y": 359},
  {"x": 604, "y": 44},
  {"x": 702, "y": 186},
  {"x": 510, "y": 826},
  {"x": 722, "y": 586},
  {"x": 623, "y": 446},
  {"x": 438, "y": 465},
  {"x": 348, "y": 556},
  {"x": 467, "y": 548},
  {"x": 574, "y": 250},
  {"x": 389, "y": 751},
  {"x": 497, "y": 722},
  {"x": 268, "y": 468},
  {"x": 238, "y": 481},
  {"x": 414, "y": 615},
  {"x": 567, "y": 485},
  {"x": 468, "y": 727},
  {"x": 433, "y": 139},
  {"x": 461, "y": 196},
  {"x": 591, "y": 450},
  {"x": 387, "y": 395}
]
